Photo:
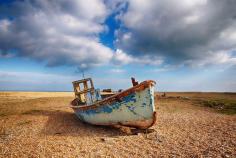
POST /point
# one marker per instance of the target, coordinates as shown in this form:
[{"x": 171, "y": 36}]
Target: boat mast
[{"x": 83, "y": 74}]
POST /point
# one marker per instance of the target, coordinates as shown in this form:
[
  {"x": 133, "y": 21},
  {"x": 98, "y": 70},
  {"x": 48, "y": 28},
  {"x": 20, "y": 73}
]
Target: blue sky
[{"x": 45, "y": 45}]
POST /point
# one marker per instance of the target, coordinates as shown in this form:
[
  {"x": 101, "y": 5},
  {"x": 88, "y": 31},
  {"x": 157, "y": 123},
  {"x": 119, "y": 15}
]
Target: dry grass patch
[{"x": 220, "y": 102}]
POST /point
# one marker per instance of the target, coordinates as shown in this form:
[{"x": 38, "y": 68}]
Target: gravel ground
[{"x": 41, "y": 127}]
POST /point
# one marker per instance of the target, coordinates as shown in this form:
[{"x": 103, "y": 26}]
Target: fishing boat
[{"x": 133, "y": 107}]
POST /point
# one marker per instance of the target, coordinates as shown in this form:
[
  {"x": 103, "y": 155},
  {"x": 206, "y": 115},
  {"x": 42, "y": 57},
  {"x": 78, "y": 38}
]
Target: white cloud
[
  {"x": 191, "y": 19},
  {"x": 38, "y": 81},
  {"x": 152, "y": 32},
  {"x": 117, "y": 70},
  {"x": 33, "y": 77},
  {"x": 4, "y": 25},
  {"x": 121, "y": 58},
  {"x": 214, "y": 58},
  {"x": 56, "y": 33},
  {"x": 191, "y": 31},
  {"x": 163, "y": 69}
]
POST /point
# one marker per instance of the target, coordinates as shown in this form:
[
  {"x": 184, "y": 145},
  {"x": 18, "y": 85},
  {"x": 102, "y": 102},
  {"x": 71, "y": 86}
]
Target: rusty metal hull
[{"x": 133, "y": 107}]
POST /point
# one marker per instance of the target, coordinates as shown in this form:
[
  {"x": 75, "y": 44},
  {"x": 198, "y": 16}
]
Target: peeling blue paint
[
  {"x": 143, "y": 105},
  {"x": 135, "y": 106},
  {"x": 110, "y": 108},
  {"x": 131, "y": 108}
]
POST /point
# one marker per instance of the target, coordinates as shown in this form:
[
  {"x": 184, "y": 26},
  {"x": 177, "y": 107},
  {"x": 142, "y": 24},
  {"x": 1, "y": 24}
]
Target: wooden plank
[{"x": 85, "y": 91}]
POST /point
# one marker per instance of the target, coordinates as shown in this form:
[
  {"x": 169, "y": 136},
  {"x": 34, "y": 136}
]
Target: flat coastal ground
[{"x": 38, "y": 124}]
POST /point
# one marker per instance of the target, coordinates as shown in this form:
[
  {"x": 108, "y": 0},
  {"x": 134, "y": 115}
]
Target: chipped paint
[{"x": 134, "y": 109}]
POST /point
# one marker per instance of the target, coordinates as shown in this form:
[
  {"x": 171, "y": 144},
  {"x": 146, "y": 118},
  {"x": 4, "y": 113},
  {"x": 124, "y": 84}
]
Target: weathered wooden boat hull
[{"x": 133, "y": 107}]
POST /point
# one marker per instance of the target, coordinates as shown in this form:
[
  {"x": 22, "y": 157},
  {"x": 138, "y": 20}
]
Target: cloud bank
[
  {"x": 196, "y": 32},
  {"x": 161, "y": 32},
  {"x": 63, "y": 32}
]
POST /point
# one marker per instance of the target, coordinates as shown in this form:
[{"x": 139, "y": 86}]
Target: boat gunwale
[{"x": 114, "y": 98}]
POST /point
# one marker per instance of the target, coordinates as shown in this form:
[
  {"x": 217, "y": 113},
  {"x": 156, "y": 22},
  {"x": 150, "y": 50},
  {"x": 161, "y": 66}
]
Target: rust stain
[{"x": 140, "y": 124}]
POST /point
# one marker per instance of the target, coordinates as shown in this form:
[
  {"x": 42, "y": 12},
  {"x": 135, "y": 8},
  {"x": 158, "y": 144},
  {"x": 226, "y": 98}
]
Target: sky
[{"x": 182, "y": 45}]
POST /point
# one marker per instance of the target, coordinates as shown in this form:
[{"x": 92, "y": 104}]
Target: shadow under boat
[{"x": 64, "y": 123}]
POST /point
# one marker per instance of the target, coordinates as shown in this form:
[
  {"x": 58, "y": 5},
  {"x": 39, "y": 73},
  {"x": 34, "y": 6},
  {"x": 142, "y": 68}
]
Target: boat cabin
[{"x": 85, "y": 92}]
